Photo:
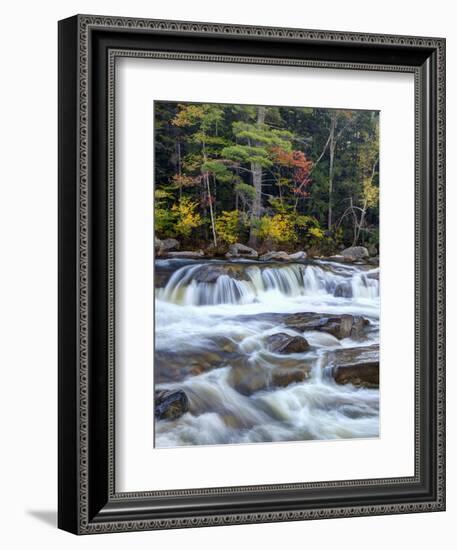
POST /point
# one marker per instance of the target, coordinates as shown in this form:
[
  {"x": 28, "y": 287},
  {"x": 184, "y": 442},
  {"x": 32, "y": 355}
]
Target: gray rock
[
  {"x": 210, "y": 273},
  {"x": 169, "y": 405},
  {"x": 275, "y": 256},
  {"x": 355, "y": 252},
  {"x": 163, "y": 246},
  {"x": 357, "y": 366},
  {"x": 372, "y": 250},
  {"x": 297, "y": 256},
  {"x": 174, "y": 365},
  {"x": 170, "y": 244},
  {"x": 248, "y": 381},
  {"x": 250, "y": 378},
  {"x": 157, "y": 243},
  {"x": 284, "y": 343},
  {"x": 283, "y": 377},
  {"x": 239, "y": 250},
  {"x": 340, "y": 326}
]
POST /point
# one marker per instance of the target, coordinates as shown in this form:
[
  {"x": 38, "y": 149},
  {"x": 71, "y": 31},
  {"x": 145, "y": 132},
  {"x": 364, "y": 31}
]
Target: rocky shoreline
[{"x": 171, "y": 248}]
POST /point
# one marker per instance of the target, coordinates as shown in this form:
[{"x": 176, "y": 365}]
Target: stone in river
[
  {"x": 170, "y": 404},
  {"x": 247, "y": 378},
  {"x": 175, "y": 365},
  {"x": 358, "y": 366},
  {"x": 239, "y": 250},
  {"x": 355, "y": 253},
  {"x": 297, "y": 256},
  {"x": 162, "y": 276},
  {"x": 340, "y": 326},
  {"x": 358, "y": 327},
  {"x": 284, "y": 343},
  {"x": 210, "y": 273},
  {"x": 275, "y": 256},
  {"x": 283, "y": 377}
]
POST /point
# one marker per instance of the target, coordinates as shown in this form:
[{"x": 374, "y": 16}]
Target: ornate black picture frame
[{"x": 88, "y": 47}]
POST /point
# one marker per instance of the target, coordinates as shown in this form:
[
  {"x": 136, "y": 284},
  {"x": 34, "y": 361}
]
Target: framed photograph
[{"x": 251, "y": 274}]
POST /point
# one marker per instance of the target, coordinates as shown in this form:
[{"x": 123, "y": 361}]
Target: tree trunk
[
  {"x": 210, "y": 200},
  {"x": 360, "y": 224},
  {"x": 355, "y": 226},
  {"x": 332, "y": 146},
  {"x": 178, "y": 143},
  {"x": 256, "y": 170},
  {"x": 211, "y": 213},
  {"x": 365, "y": 206}
]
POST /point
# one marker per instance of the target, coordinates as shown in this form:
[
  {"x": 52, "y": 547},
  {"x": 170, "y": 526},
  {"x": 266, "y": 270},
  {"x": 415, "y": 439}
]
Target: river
[{"x": 213, "y": 325}]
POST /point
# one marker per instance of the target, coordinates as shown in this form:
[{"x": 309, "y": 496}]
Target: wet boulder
[
  {"x": 161, "y": 277},
  {"x": 163, "y": 270},
  {"x": 248, "y": 378},
  {"x": 355, "y": 253},
  {"x": 358, "y": 366},
  {"x": 170, "y": 404},
  {"x": 359, "y": 326},
  {"x": 173, "y": 365},
  {"x": 283, "y": 377},
  {"x": 275, "y": 256},
  {"x": 239, "y": 250},
  {"x": 340, "y": 258},
  {"x": 284, "y": 343},
  {"x": 340, "y": 326},
  {"x": 210, "y": 273},
  {"x": 298, "y": 256}
]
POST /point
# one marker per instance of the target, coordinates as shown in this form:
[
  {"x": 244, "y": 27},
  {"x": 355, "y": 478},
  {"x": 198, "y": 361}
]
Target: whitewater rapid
[{"x": 223, "y": 325}]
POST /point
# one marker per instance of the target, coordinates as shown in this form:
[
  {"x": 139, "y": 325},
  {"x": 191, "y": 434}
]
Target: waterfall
[
  {"x": 364, "y": 287},
  {"x": 185, "y": 287}
]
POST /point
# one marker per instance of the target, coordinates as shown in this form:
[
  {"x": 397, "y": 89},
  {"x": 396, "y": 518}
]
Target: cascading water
[
  {"x": 293, "y": 280},
  {"x": 213, "y": 323}
]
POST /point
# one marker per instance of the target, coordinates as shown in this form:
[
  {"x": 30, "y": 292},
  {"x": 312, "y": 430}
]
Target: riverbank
[{"x": 359, "y": 255}]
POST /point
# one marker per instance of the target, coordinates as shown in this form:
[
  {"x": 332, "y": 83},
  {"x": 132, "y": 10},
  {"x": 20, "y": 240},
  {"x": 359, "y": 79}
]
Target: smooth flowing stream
[{"x": 212, "y": 324}]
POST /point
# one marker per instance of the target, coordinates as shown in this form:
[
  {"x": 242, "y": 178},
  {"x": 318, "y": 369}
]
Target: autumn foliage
[
  {"x": 294, "y": 177},
  {"x": 300, "y": 165}
]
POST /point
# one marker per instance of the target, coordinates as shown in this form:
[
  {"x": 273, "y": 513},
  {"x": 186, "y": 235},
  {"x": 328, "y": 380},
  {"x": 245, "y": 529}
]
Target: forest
[{"x": 289, "y": 178}]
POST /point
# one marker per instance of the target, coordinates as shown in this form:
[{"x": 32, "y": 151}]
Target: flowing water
[{"x": 212, "y": 321}]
